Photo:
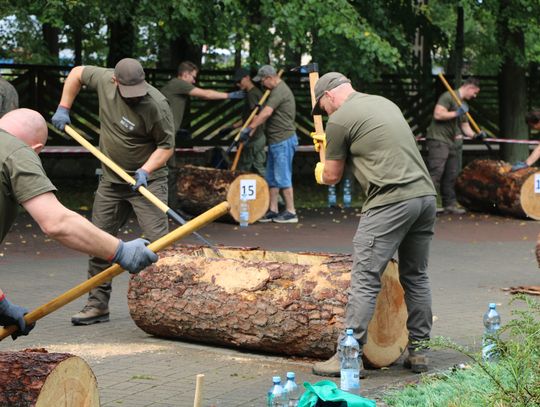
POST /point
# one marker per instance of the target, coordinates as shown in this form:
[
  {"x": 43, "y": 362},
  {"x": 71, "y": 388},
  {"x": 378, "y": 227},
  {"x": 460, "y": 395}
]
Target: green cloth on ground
[{"x": 327, "y": 391}]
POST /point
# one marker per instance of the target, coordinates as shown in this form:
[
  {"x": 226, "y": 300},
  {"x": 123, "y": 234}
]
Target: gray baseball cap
[
  {"x": 325, "y": 83},
  {"x": 265, "y": 70},
  {"x": 130, "y": 76}
]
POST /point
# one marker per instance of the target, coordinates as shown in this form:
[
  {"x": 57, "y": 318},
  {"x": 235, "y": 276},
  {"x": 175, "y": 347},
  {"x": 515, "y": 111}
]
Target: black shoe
[
  {"x": 286, "y": 217},
  {"x": 268, "y": 217}
]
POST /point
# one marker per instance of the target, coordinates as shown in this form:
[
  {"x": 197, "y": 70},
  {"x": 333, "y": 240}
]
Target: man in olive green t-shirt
[
  {"x": 444, "y": 142},
  {"x": 370, "y": 133},
  {"x": 9, "y": 98},
  {"x": 177, "y": 91},
  {"x": 137, "y": 134},
  {"x": 23, "y": 134},
  {"x": 278, "y": 116}
]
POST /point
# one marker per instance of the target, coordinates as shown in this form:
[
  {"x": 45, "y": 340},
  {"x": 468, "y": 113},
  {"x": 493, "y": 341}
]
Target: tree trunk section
[
  {"x": 201, "y": 188},
  {"x": 50, "y": 37},
  {"x": 121, "y": 39},
  {"x": 489, "y": 186},
  {"x": 34, "y": 377},
  {"x": 274, "y": 302}
]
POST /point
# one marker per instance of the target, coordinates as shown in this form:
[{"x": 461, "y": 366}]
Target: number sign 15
[{"x": 248, "y": 189}]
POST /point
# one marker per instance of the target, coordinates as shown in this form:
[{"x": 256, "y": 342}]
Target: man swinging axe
[{"x": 23, "y": 135}]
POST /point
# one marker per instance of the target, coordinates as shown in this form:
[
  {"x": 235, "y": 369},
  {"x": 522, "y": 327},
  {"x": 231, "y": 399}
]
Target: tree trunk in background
[
  {"x": 460, "y": 45},
  {"x": 182, "y": 49},
  {"x": 238, "y": 52},
  {"x": 512, "y": 90},
  {"x": 50, "y": 36},
  {"x": 121, "y": 40},
  {"x": 77, "y": 44}
]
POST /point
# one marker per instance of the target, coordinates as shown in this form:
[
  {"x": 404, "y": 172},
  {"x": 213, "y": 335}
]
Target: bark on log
[
  {"x": 489, "y": 186},
  {"x": 538, "y": 250},
  {"x": 274, "y": 302},
  {"x": 200, "y": 189},
  {"x": 34, "y": 377}
]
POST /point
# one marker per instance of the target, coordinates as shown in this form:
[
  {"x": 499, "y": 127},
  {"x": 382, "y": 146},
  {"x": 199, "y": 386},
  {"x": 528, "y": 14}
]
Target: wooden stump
[
  {"x": 34, "y": 377},
  {"x": 489, "y": 186},
  {"x": 200, "y": 189},
  {"x": 275, "y": 302}
]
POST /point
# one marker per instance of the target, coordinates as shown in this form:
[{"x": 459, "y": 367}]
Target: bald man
[{"x": 23, "y": 134}]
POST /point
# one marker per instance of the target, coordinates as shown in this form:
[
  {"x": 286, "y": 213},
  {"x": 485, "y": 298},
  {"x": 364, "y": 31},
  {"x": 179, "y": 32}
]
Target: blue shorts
[{"x": 279, "y": 163}]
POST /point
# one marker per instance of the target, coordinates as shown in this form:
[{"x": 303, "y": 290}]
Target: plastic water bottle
[
  {"x": 347, "y": 193},
  {"x": 492, "y": 323},
  {"x": 332, "y": 199},
  {"x": 350, "y": 365},
  {"x": 276, "y": 395},
  {"x": 244, "y": 213},
  {"x": 292, "y": 390}
]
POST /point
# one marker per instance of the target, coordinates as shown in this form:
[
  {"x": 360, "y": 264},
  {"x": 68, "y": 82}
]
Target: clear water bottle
[
  {"x": 347, "y": 193},
  {"x": 350, "y": 364},
  {"x": 492, "y": 323},
  {"x": 292, "y": 390},
  {"x": 276, "y": 395},
  {"x": 244, "y": 213},
  {"x": 332, "y": 198}
]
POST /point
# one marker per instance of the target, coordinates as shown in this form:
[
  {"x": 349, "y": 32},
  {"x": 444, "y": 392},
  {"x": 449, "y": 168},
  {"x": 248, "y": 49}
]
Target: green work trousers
[
  {"x": 113, "y": 204},
  {"x": 253, "y": 157}
]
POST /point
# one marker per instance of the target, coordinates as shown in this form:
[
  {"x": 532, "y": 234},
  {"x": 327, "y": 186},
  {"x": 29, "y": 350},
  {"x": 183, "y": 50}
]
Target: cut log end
[
  {"x": 272, "y": 302},
  {"x": 34, "y": 377}
]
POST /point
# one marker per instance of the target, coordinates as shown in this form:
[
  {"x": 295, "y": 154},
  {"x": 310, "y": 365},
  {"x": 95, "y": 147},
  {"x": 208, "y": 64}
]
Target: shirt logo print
[{"x": 124, "y": 121}]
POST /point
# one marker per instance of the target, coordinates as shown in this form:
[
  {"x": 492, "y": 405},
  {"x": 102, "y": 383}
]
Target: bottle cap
[
  {"x": 492, "y": 305},
  {"x": 290, "y": 375},
  {"x": 349, "y": 331},
  {"x": 276, "y": 379}
]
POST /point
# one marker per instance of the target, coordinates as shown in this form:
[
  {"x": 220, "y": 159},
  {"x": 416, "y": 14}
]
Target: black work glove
[
  {"x": 11, "y": 314},
  {"x": 134, "y": 256},
  {"x": 244, "y": 135},
  {"x": 480, "y": 136}
]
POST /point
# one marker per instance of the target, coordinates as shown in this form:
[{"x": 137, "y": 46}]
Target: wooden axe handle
[
  {"x": 254, "y": 112},
  {"x": 456, "y": 99},
  {"x": 114, "y": 270},
  {"x": 317, "y": 119}
]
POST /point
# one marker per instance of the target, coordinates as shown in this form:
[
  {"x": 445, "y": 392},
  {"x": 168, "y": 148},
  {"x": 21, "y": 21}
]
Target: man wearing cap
[
  {"x": 278, "y": 115},
  {"x": 370, "y": 133},
  {"x": 9, "y": 98},
  {"x": 177, "y": 91},
  {"x": 23, "y": 134},
  {"x": 253, "y": 156},
  {"x": 136, "y": 133}
]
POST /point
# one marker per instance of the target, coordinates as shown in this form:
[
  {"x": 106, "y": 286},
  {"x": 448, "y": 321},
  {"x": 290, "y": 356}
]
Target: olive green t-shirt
[
  {"x": 371, "y": 132},
  {"x": 280, "y": 126},
  {"x": 9, "y": 99},
  {"x": 445, "y": 130},
  {"x": 177, "y": 93},
  {"x": 129, "y": 134},
  {"x": 22, "y": 177},
  {"x": 252, "y": 100}
]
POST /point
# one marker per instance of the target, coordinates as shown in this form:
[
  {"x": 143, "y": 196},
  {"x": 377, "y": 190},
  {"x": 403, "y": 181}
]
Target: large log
[
  {"x": 276, "y": 302},
  {"x": 489, "y": 186},
  {"x": 201, "y": 188},
  {"x": 34, "y": 377}
]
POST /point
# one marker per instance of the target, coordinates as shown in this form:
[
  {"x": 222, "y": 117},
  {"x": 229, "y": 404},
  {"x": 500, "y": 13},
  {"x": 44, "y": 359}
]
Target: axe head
[{"x": 313, "y": 67}]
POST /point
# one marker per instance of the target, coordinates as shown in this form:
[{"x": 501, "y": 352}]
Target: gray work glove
[
  {"x": 141, "y": 179},
  {"x": 244, "y": 135},
  {"x": 237, "y": 94},
  {"x": 464, "y": 108},
  {"x": 61, "y": 118},
  {"x": 519, "y": 166},
  {"x": 11, "y": 314},
  {"x": 134, "y": 256}
]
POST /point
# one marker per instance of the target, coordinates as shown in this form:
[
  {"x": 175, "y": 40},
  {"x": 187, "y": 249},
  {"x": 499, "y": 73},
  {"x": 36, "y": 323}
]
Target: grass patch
[{"x": 512, "y": 381}]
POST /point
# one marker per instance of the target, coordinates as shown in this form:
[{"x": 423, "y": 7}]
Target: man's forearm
[
  {"x": 158, "y": 159},
  {"x": 261, "y": 117},
  {"x": 72, "y": 87}
]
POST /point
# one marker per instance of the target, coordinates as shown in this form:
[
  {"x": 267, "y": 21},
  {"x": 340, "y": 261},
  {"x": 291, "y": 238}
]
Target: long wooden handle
[
  {"x": 247, "y": 123},
  {"x": 117, "y": 169},
  {"x": 456, "y": 99},
  {"x": 198, "y": 390},
  {"x": 317, "y": 119},
  {"x": 114, "y": 270}
]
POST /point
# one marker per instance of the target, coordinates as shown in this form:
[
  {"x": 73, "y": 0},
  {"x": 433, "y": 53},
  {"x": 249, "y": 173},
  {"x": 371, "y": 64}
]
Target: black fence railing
[{"x": 40, "y": 87}]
